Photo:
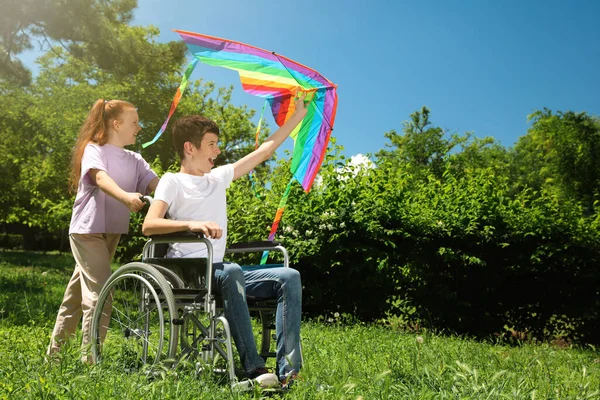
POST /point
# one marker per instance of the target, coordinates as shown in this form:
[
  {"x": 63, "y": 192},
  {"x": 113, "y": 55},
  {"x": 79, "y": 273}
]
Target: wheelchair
[{"x": 161, "y": 312}]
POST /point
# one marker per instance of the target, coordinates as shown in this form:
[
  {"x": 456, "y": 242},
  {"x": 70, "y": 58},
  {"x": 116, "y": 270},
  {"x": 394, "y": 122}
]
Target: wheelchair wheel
[
  {"x": 133, "y": 323},
  {"x": 172, "y": 278},
  {"x": 207, "y": 342}
]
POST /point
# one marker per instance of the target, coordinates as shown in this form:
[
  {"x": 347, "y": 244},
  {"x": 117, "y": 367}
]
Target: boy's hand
[
  {"x": 133, "y": 202},
  {"x": 301, "y": 104},
  {"x": 210, "y": 229}
]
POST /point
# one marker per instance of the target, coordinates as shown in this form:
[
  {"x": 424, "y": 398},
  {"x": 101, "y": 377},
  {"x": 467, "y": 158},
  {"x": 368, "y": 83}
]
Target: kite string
[
  {"x": 252, "y": 181},
  {"x": 277, "y": 219}
]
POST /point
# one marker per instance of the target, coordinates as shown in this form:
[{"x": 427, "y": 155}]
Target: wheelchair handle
[{"x": 146, "y": 199}]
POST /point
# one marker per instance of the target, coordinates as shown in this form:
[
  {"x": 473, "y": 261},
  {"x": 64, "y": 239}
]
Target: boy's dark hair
[{"x": 191, "y": 128}]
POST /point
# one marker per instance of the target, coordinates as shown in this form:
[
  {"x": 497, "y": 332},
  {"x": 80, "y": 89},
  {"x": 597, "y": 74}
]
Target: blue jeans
[{"x": 280, "y": 283}]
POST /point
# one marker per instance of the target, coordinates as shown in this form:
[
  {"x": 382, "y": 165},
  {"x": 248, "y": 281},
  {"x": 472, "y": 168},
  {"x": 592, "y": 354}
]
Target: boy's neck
[{"x": 188, "y": 168}]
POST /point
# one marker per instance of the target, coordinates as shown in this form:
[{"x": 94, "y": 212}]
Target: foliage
[
  {"x": 462, "y": 251},
  {"x": 91, "y": 31},
  {"x": 11, "y": 241},
  {"x": 38, "y": 132},
  {"x": 560, "y": 153}
]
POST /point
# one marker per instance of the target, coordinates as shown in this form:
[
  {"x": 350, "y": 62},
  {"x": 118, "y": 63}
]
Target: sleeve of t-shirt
[
  {"x": 224, "y": 174},
  {"x": 145, "y": 174},
  {"x": 92, "y": 159},
  {"x": 167, "y": 188}
]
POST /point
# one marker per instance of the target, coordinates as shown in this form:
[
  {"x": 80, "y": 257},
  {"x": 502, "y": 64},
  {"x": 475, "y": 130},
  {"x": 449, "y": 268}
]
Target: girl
[{"x": 109, "y": 181}]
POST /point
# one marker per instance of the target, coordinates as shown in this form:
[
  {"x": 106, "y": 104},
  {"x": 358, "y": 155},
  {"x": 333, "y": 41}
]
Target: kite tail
[
  {"x": 277, "y": 219},
  {"x": 262, "y": 113},
  {"x": 176, "y": 100}
]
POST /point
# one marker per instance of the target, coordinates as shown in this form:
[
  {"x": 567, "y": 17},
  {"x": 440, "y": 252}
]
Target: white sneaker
[{"x": 264, "y": 378}]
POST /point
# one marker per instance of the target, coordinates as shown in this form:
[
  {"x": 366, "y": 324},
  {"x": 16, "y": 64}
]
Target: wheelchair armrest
[
  {"x": 264, "y": 245},
  {"x": 175, "y": 236},
  {"x": 155, "y": 247}
]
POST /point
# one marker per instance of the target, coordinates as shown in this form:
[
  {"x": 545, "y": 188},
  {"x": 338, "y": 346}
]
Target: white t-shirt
[{"x": 197, "y": 198}]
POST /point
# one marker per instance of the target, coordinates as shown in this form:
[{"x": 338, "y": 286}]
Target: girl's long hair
[{"x": 94, "y": 130}]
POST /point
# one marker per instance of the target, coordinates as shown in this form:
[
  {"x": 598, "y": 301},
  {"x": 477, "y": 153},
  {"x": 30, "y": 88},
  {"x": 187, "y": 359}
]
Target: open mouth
[{"x": 212, "y": 162}]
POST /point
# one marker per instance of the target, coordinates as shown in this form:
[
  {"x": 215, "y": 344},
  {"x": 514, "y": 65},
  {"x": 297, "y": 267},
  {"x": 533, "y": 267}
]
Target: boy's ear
[{"x": 188, "y": 147}]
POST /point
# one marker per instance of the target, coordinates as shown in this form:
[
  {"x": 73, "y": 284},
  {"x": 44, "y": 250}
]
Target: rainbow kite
[{"x": 277, "y": 79}]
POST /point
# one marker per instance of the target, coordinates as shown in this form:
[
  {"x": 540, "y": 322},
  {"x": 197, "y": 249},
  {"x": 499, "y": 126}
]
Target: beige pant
[{"x": 93, "y": 254}]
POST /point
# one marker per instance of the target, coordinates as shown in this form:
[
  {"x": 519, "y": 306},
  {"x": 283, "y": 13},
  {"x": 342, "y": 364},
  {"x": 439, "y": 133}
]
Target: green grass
[{"x": 343, "y": 360}]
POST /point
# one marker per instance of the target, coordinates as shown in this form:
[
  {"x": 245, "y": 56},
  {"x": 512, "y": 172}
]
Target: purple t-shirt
[{"x": 97, "y": 212}]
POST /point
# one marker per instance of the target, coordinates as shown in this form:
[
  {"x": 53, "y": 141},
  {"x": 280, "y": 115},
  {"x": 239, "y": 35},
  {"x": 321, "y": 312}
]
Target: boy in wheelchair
[{"x": 195, "y": 200}]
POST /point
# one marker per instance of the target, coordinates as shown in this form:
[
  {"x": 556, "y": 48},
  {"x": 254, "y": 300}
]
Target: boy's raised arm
[{"x": 268, "y": 147}]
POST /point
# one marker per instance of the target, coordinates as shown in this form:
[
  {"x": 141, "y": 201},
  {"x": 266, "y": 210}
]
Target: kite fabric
[
  {"x": 180, "y": 90},
  {"x": 278, "y": 80},
  {"x": 278, "y": 214}
]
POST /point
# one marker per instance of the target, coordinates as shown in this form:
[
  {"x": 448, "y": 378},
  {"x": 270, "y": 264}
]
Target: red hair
[{"x": 95, "y": 130}]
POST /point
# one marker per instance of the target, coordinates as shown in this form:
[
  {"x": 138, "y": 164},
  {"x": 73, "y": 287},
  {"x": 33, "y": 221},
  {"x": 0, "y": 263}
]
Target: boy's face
[{"x": 204, "y": 157}]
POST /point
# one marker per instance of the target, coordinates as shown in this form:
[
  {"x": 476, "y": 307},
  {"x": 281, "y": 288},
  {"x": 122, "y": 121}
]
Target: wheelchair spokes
[{"x": 135, "y": 326}]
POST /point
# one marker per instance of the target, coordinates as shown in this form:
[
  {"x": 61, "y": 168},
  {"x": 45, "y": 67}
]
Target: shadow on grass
[{"x": 30, "y": 259}]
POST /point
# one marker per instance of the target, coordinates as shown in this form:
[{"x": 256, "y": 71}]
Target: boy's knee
[
  {"x": 291, "y": 277},
  {"x": 233, "y": 272}
]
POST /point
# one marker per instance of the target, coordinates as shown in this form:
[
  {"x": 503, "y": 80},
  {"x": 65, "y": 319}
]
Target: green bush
[
  {"x": 11, "y": 241},
  {"x": 457, "y": 253}
]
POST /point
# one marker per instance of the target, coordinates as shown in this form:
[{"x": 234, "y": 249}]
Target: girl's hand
[
  {"x": 133, "y": 202},
  {"x": 210, "y": 229}
]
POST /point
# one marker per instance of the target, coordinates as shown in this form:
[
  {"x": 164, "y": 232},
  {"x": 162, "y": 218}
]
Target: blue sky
[{"x": 480, "y": 66}]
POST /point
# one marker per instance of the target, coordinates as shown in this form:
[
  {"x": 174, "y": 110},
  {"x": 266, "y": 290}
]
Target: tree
[
  {"x": 560, "y": 152},
  {"x": 423, "y": 145},
  {"x": 40, "y": 123},
  {"x": 483, "y": 153},
  {"x": 93, "y": 31}
]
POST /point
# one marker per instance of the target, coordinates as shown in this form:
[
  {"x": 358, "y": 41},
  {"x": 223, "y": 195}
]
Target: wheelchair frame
[{"x": 144, "y": 310}]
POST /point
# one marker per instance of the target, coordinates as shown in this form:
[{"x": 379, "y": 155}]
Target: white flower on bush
[
  {"x": 328, "y": 214},
  {"x": 357, "y": 164},
  {"x": 308, "y": 232},
  {"x": 328, "y": 227}
]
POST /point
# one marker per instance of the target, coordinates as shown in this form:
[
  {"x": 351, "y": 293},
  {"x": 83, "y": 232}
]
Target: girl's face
[{"x": 127, "y": 127}]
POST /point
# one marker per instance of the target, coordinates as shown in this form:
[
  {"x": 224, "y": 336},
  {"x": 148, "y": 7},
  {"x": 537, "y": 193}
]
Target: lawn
[{"x": 344, "y": 359}]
